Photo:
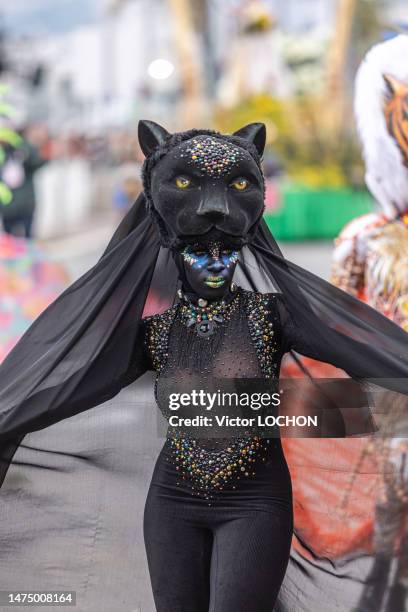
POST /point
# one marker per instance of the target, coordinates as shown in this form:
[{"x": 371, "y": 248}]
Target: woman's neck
[{"x": 194, "y": 298}]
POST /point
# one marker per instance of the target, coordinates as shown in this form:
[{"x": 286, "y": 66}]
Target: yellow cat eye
[
  {"x": 182, "y": 182},
  {"x": 240, "y": 184}
]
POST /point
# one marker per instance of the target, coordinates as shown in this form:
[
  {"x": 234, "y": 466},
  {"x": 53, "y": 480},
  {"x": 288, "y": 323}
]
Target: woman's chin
[{"x": 214, "y": 293}]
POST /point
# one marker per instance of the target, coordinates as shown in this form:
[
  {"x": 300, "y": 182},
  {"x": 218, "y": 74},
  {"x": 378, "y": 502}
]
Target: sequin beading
[
  {"x": 261, "y": 329},
  {"x": 210, "y": 469},
  {"x": 158, "y": 330}
]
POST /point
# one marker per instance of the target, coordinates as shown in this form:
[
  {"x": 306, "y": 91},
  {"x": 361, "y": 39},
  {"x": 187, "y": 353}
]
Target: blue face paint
[
  {"x": 196, "y": 259},
  {"x": 229, "y": 258},
  {"x": 209, "y": 268},
  {"x": 199, "y": 258}
]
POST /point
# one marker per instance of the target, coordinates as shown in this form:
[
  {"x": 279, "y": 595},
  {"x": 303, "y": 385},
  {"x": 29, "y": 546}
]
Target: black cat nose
[{"x": 213, "y": 208}]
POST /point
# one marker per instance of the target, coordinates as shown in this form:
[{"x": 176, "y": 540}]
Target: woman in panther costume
[{"x": 218, "y": 519}]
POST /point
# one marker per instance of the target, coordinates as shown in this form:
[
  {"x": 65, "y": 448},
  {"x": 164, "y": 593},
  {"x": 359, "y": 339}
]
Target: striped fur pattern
[{"x": 382, "y": 74}]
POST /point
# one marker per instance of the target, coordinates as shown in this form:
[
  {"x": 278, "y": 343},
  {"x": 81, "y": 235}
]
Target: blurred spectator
[
  {"x": 273, "y": 171},
  {"x": 18, "y": 173},
  {"x": 29, "y": 282},
  {"x": 127, "y": 187}
]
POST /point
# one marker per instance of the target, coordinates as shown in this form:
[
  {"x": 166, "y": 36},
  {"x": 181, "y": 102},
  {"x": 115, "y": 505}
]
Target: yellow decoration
[{"x": 403, "y": 304}]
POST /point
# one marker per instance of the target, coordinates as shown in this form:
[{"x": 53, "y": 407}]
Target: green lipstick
[{"x": 214, "y": 281}]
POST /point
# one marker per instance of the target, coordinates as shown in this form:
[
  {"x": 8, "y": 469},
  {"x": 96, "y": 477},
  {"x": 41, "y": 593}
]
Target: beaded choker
[{"x": 204, "y": 317}]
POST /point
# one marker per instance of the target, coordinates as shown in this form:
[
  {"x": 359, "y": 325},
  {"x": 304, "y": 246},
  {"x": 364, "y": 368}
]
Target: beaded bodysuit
[{"x": 247, "y": 344}]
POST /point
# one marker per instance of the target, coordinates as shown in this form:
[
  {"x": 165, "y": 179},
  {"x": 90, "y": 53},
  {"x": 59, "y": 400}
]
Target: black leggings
[{"x": 230, "y": 556}]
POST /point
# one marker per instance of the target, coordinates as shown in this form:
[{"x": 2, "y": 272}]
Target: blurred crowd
[{"x": 113, "y": 157}]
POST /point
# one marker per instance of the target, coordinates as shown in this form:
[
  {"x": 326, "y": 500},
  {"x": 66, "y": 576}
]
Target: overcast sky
[{"x": 51, "y": 16}]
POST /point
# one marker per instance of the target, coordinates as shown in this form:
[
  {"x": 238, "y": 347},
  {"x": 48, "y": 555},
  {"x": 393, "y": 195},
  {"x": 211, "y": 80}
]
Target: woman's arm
[
  {"x": 314, "y": 396},
  {"x": 141, "y": 360},
  {"x": 292, "y": 337}
]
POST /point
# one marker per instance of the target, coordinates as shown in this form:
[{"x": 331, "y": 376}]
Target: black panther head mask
[{"x": 201, "y": 185}]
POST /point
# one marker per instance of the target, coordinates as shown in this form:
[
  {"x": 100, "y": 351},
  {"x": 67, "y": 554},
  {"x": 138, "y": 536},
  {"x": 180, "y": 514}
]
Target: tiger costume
[{"x": 370, "y": 261}]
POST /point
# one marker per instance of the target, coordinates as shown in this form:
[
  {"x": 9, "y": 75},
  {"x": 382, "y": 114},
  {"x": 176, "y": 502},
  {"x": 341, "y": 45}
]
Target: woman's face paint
[{"x": 209, "y": 270}]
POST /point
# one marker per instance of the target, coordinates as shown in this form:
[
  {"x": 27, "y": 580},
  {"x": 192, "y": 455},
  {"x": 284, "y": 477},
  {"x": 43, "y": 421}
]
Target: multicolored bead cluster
[
  {"x": 211, "y": 155},
  {"x": 216, "y": 249},
  {"x": 203, "y": 318},
  {"x": 233, "y": 258},
  {"x": 189, "y": 257},
  {"x": 157, "y": 336},
  {"x": 261, "y": 330},
  {"x": 210, "y": 470}
]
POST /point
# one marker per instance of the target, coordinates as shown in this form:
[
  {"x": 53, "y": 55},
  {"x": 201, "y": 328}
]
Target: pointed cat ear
[
  {"x": 151, "y": 135},
  {"x": 255, "y": 133},
  {"x": 394, "y": 86}
]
